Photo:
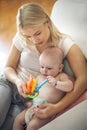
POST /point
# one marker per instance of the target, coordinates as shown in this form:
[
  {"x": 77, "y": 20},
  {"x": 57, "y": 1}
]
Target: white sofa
[
  {"x": 70, "y": 17},
  {"x": 74, "y": 119}
]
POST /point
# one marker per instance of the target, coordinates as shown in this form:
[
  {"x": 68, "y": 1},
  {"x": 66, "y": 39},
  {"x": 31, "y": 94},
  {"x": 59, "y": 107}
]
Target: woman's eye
[
  {"x": 38, "y": 33},
  {"x": 27, "y": 36}
]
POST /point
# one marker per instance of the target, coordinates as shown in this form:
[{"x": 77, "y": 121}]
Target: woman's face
[{"x": 39, "y": 36}]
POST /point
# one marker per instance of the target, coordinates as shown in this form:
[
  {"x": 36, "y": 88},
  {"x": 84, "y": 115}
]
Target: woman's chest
[{"x": 29, "y": 59}]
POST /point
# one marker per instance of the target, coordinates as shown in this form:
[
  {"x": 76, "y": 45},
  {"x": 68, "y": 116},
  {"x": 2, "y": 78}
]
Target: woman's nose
[{"x": 34, "y": 39}]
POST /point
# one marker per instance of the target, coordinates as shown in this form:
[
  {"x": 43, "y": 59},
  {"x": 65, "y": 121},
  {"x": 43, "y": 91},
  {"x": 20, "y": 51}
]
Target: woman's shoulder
[
  {"x": 18, "y": 42},
  {"x": 16, "y": 37},
  {"x": 66, "y": 42}
]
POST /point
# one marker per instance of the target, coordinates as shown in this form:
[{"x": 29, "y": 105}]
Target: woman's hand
[
  {"x": 21, "y": 87},
  {"x": 45, "y": 110}
]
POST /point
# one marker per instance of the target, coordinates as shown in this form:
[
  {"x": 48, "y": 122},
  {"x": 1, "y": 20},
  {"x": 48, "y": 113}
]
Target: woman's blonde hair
[{"x": 32, "y": 15}]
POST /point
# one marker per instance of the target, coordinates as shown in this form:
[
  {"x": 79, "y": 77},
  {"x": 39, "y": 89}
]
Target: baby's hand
[{"x": 52, "y": 80}]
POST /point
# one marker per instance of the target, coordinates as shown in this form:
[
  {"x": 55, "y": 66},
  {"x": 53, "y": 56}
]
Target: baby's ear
[{"x": 61, "y": 66}]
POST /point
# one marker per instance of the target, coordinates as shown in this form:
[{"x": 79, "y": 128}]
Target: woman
[{"x": 35, "y": 33}]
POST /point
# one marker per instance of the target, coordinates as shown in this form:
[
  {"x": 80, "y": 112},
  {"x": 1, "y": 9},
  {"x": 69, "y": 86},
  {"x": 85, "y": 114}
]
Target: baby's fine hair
[{"x": 55, "y": 53}]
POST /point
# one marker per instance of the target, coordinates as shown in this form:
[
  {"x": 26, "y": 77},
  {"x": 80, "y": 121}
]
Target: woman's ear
[
  {"x": 48, "y": 21},
  {"x": 61, "y": 66}
]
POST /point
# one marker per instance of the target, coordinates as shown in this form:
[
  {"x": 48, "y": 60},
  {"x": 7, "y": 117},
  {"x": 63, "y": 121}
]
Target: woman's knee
[{"x": 5, "y": 101}]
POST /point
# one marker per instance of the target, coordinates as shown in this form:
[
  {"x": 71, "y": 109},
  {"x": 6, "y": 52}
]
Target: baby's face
[{"x": 48, "y": 67}]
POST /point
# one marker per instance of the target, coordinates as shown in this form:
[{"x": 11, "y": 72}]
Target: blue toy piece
[{"x": 40, "y": 85}]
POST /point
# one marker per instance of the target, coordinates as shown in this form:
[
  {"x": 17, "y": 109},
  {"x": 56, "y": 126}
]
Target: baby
[{"x": 58, "y": 84}]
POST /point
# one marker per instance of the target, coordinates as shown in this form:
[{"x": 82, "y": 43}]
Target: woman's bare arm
[
  {"x": 11, "y": 67},
  {"x": 12, "y": 62},
  {"x": 79, "y": 66}
]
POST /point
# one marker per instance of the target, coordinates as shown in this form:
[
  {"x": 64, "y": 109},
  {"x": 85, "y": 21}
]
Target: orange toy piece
[{"x": 30, "y": 85}]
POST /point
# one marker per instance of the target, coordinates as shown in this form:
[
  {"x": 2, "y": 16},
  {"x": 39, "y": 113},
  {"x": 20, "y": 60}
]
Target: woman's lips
[{"x": 40, "y": 43}]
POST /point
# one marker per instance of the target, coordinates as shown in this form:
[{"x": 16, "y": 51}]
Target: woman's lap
[
  {"x": 5, "y": 99},
  {"x": 9, "y": 95}
]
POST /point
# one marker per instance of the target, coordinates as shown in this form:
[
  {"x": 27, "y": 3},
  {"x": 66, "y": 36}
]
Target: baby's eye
[
  {"x": 41, "y": 67},
  {"x": 49, "y": 68}
]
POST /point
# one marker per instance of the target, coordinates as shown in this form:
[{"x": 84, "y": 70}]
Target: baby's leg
[
  {"x": 37, "y": 123},
  {"x": 19, "y": 121},
  {"x": 29, "y": 115}
]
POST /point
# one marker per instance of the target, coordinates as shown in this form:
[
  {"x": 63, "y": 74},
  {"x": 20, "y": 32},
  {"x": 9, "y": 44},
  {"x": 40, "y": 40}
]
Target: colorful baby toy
[{"x": 33, "y": 88}]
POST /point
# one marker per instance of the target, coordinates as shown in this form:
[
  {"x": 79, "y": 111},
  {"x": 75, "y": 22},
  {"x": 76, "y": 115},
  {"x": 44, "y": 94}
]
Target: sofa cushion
[{"x": 70, "y": 17}]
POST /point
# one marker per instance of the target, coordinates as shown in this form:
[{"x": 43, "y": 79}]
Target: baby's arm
[{"x": 62, "y": 82}]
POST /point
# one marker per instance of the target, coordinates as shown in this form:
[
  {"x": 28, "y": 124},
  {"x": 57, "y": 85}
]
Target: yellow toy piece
[{"x": 34, "y": 83}]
